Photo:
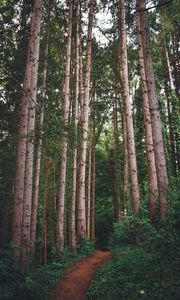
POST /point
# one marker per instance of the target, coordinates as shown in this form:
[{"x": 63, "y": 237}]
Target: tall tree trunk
[
  {"x": 63, "y": 158},
  {"x": 22, "y": 205},
  {"x": 44, "y": 216},
  {"x": 126, "y": 165},
  {"x": 75, "y": 123},
  {"x": 39, "y": 143},
  {"x": 151, "y": 166},
  {"x": 118, "y": 202},
  {"x": 89, "y": 194},
  {"x": 93, "y": 183},
  {"x": 81, "y": 81},
  {"x": 170, "y": 92},
  {"x": 54, "y": 187},
  {"x": 81, "y": 218},
  {"x": 28, "y": 176},
  {"x": 154, "y": 112},
  {"x": 128, "y": 113},
  {"x": 176, "y": 61}
]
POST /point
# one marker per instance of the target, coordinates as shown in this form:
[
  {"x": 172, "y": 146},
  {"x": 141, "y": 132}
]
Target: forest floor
[{"x": 77, "y": 277}]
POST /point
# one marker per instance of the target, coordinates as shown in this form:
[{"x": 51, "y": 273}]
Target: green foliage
[
  {"x": 7, "y": 282},
  {"x": 150, "y": 270},
  {"x": 124, "y": 230},
  {"x": 104, "y": 206},
  {"x": 134, "y": 273},
  {"x": 103, "y": 221},
  {"x": 85, "y": 247},
  {"x": 37, "y": 284},
  {"x": 122, "y": 234}
]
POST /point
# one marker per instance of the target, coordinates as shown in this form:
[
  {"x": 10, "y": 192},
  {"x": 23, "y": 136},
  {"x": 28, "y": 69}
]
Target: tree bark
[
  {"x": 89, "y": 193},
  {"x": 63, "y": 158},
  {"x": 93, "y": 183},
  {"x": 28, "y": 175},
  {"x": 118, "y": 202},
  {"x": 126, "y": 166},
  {"x": 151, "y": 166},
  {"x": 75, "y": 124},
  {"x": 128, "y": 113},
  {"x": 39, "y": 143},
  {"x": 23, "y": 177},
  {"x": 81, "y": 217},
  {"x": 154, "y": 113},
  {"x": 176, "y": 61},
  {"x": 170, "y": 92},
  {"x": 44, "y": 216}
]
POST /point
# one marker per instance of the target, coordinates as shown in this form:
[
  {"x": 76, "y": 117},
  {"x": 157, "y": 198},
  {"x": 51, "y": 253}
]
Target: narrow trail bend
[{"x": 77, "y": 277}]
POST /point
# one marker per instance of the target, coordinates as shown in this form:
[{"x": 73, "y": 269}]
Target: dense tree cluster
[{"x": 88, "y": 126}]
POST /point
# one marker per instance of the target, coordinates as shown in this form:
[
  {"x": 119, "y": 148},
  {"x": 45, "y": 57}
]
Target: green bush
[
  {"x": 85, "y": 247},
  {"x": 34, "y": 286},
  {"x": 9, "y": 279},
  {"x": 122, "y": 234},
  {"x": 150, "y": 271},
  {"x": 37, "y": 284},
  {"x": 135, "y": 273},
  {"x": 125, "y": 230}
]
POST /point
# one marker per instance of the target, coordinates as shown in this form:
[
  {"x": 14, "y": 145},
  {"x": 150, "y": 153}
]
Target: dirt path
[{"x": 77, "y": 277}]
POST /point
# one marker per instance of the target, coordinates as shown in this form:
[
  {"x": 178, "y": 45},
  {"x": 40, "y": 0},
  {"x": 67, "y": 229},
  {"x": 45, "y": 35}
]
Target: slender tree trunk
[
  {"x": 113, "y": 191},
  {"x": 44, "y": 216},
  {"x": 128, "y": 114},
  {"x": 170, "y": 94},
  {"x": 81, "y": 82},
  {"x": 170, "y": 91},
  {"x": 118, "y": 201},
  {"x": 65, "y": 227},
  {"x": 176, "y": 62},
  {"x": 151, "y": 166},
  {"x": 28, "y": 176},
  {"x": 126, "y": 167},
  {"x": 154, "y": 113},
  {"x": 176, "y": 73},
  {"x": 93, "y": 183},
  {"x": 63, "y": 158},
  {"x": 23, "y": 177},
  {"x": 81, "y": 218},
  {"x": 54, "y": 187},
  {"x": 39, "y": 143},
  {"x": 171, "y": 83},
  {"x": 75, "y": 123},
  {"x": 89, "y": 194}
]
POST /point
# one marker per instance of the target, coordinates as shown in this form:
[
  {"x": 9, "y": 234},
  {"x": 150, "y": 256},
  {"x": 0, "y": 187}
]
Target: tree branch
[{"x": 154, "y": 6}]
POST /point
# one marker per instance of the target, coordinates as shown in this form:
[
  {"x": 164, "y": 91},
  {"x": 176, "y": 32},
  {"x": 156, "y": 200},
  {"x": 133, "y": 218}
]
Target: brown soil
[{"x": 77, "y": 277}]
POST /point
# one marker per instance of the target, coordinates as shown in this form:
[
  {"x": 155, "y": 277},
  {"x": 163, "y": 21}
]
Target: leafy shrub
[
  {"x": 85, "y": 247},
  {"x": 122, "y": 233},
  {"x": 125, "y": 230},
  {"x": 150, "y": 271},
  {"x": 37, "y": 284},
  {"x": 135, "y": 273},
  {"x": 8, "y": 284}
]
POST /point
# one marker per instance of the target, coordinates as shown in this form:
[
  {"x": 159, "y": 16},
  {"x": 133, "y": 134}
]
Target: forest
[{"x": 90, "y": 149}]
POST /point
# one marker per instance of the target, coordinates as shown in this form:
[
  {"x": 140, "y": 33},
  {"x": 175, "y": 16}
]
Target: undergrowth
[
  {"x": 148, "y": 271},
  {"x": 135, "y": 273},
  {"x": 38, "y": 283}
]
